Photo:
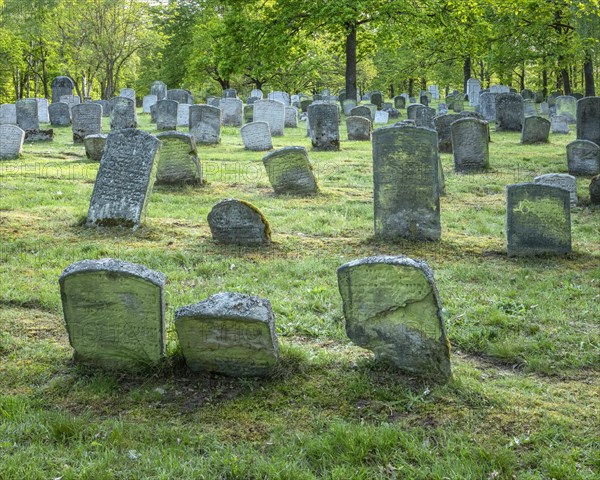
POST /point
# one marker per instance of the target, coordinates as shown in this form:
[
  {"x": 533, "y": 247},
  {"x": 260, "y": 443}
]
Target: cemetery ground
[{"x": 523, "y": 401}]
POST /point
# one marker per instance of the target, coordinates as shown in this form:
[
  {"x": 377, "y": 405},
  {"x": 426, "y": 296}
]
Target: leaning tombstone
[
  {"x": 205, "y": 124},
  {"x": 159, "y": 89},
  {"x": 87, "y": 120},
  {"x": 566, "y": 106},
  {"x": 94, "y": 146},
  {"x": 59, "y": 113},
  {"x": 392, "y": 307},
  {"x": 166, "y": 115},
  {"x": 509, "y": 112},
  {"x": 183, "y": 114},
  {"x": 236, "y": 222},
  {"x": 324, "y": 126},
  {"x": 559, "y": 124},
  {"x": 178, "y": 162},
  {"x": 442, "y": 126},
  {"x": 538, "y": 220},
  {"x": 290, "y": 171},
  {"x": 128, "y": 93},
  {"x": 228, "y": 333},
  {"x": 588, "y": 119},
  {"x": 43, "y": 115},
  {"x": 272, "y": 112},
  {"x": 535, "y": 130},
  {"x": 124, "y": 180},
  {"x": 232, "y": 111},
  {"x": 561, "y": 180},
  {"x": 256, "y": 136},
  {"x": 583, "y": 158},
  {"x": 11, "y": 141},
  {"x": 470, "y": 145},
  {"x": 61, "y": 86},
  {"x": 361, "y": 111},
  {"x": 291, "y": 117},
  {"x": 147, "y": 103},
  {"x": 123, "y": 114},
  {"x": 487, "y": 104},
  {"x": 8, "y": 114},
  {"x": 114, "y": 313},
  {"x": 359, "y": 128},
  {"x": 381, "y": 117},
  {"x": 406, "y": 183}
]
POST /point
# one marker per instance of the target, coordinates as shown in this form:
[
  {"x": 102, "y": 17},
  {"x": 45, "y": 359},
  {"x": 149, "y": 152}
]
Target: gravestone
[
  {"x": 87, "y": 120},
  {"x": 236, "y": 222},
  {"x": 381, "y": 117},
  {"x": 228, "y": 333},
  {"x": 106, "y": 107},
  {"x": 487, "y": 106},
  {"x": 147, "y": 103},
  {"x": 470, "y": 145},
  {"x": 583, "y": 158},
  {"x": 230, "y": 93},
  {"x": 359, "y": 128},
  {"x": 290, "y": 171},
  {"x": 528, "y": 94},
  {"x": 538, "y": 220},
  {"x": 213, "y": 101},
  {"x": 361, "y": 111},
  {"x": 183, "y": 114},
  {"x": 392, "y": 307},
  {"x": 205, "y": 124},
  {"x": 372, "y": 109},
  {"x": 27, "y": 114},
  {"x": 232, "y": 112},
  {"x": 128, "y": 93},
  {"x": 442, "y": 109},
  {"x": 272, "y": 112},
  {"x": 43, "y": 115},
  {"x": 61, "y": 86},
  {"x": 595, "y": 190},
  {"x": 406, "y": 183},
  {"x": 291, "y": 117},
  {"x": 178, "y": 162},
  {"x": 60, "y": 115},
  {"x": 435, "y": 91},
  {"x": 166, "y": 115},
  {"x": 125, "y": 179},
  {"x": 248, "y": 113},
  {"x": 123, "y": 114},
  {"x": 424, "y": 100},
  {"x": 8, "y": 114},
  {"x": 256, "y": 136},
  {"x": 377, "y": 99},
  {"x": 412, "y": 110},
  {"x": 11, "y": 141},
  {"x": 425, "y": 117},
  {"x": 588, "y": 119},
  {"x": 529, "y": 109},
  {"x": 180, "y": 96},
  {"x": 251, "y": 100},
  {"x": 94, "y": 146},
  {"x": 282, "y": 97},
  {"x": 304, "y": 105},
  {"x": 159, "y": 89},
  {"x": 70, "y": 100},
  {"x": 559, "y": 124},
  {"x": 535, "y": 130},
  {"x": 324, "y": 126},
  {"x": 561, "y": 180},
  {"x": 347, "y": 106},
  {"x": 509, "y": 112},
  {"x": 544, "y": 108},
  {"x": 499, "y": 89},
  {"x": 257, "y": 93},
  {"x": 114, "y": 313},
  {"x": 566, "y": 106},
  {"x": 473, "y": 91},
  {"x": 153, "y": 113},
  {"x": 442, "y": 127},
  {"x": 399, "y": 102},
  {"x": 458, "y": 105}
]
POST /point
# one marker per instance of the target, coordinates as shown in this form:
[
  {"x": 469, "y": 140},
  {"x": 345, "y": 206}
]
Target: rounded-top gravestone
[
  {"x": 256, "y": 136},
  {"x": 11, "y": 141},
  {"x": 237, "y": 222}
]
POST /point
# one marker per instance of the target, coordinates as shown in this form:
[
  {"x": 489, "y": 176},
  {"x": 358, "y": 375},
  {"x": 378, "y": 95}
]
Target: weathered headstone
[
  {"x": 59, "y": 113},
  {"x": 178, "y": 162},
  {"x": 114, "y": 313},
  {"x": 406, "y": 183},
  {"x": 257, "y": 93},
  {"x": 27, "y": 114},
  {"x": 272, "y": 112},
  {"x": 529, "y": 109},
  {"x": 324, "y": 126},
  {"x": 213, "y": 101},
  {"x": 377, "y": 99},
  {"x": 106, "y": 107},
  {"x": 256, "y": 136},
  {"x": 304, "y": 105},
  {"x": 499, "y": 89},
  {"x": 70, "y": 100},
  {"x": 128, "y": 93},
  {"x": 473, "y": 90},
  {"x": 566, "y": 106},
  {"x": 538, "y": 220},
  {"x": 399, "y": 102},
  {"x": 361, "y": 111},
  {"x": 230, "y": 93},
  {"x": 180, "y": 96},
  {"x": 359, "y": 128},
  {"x": 528, "y": 94},
  {"x": 470, "y": 145},
  {"x": 43, "y": 115},
  {"x": 289, "y": 171},
  {"x": 11, "y": 141},
  {"x": 559, "y": 124},
  {"x": 535, "y": 130},
  {"x": 166, "y": 115},
  {"x": 425, "y": 117},
  {"x": 442, "y": 109},
  {"x": 392, "y": 307},
  {"x": 237, "y": 222},
  {"x": 435, "y": 91},
  {"x": 595, "y": 190},
  {"x": 147, "y": 102},
  {"x": 544, "y": 108},
  {"x": 583, "y": 158},
  {"x": 87, "y": 120},
  {"x": 442, "y": 126},
  {"x": 282, "y": 97},
  {"x": 588, "y": 119},
  {"x": 8, "y": 114},
  {"x": 159, "y": 89},
  {"x": 561, "y": 180},
  {"x": 123, "y": 114},
  {"x": 61, "y": 86},
  {"x": 183, "y": 114},
  {"x": 381, "y": 117},
  {"x": 412, "y": 110},
  {"x": 509, "y": 112},
  {"x": 228, "y": 333},
  {"x": 347, "y": 106},
  {"x": 458, "y": 105},
  {"x": 291, "y": 117},
  {"x": 487, "y": 106},
  {"x": 232, "y": 112},
  {"x": 94, "y": 146},
  {"x": 125, "y": 179},
  {"x": 205, "y": 124},
  {"x": 424, "y": 100}
]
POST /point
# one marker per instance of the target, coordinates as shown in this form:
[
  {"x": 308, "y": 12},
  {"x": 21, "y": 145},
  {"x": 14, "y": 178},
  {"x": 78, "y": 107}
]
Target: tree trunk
[
  {"x": 392, "y": 91},
  {"x": 351, "y": 62},
  {"x": 588, "y": 72},
  {"x": 545, "y": 83},
  {"x": 466, "y": 73},
  {"x": 411, "y": 84},
  {"x": 566, "y": 81},
  {"x": 522, "y": 77}
]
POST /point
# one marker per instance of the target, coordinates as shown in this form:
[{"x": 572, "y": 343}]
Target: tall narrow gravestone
[
  {"x": 272, "y": 112},
  {"x": 205, "y": 124},
  {"x": 178, "y": 160},
  {"x": 11, "y": 141},
  {"x": 392, "y": 307},
  {"x": 470, "y": 145},
  {"x": 147, "y": 103},
  {"x": 183, "y": 114},
  {"x": 228, "y": 333},
  {"x": 123, "y": 114},
  {"x": 61, "y": 86},
  {"x": 487, "y": 105},
  {"x": 87, "y": 120},
  {"x": 538, "y": 220},
  {"x": 473, "y": 90},
  {"x": 166, "y": 115},
  {"x": 125, "y": 179},
  {"x": 588, "y": 119},
  {"x": 509, "y": 112},
  {"x": 324, "y": 126},
  {"x": 236, "y": 222},
  {"x": 27, "y": 114},
  {"x": 114, "y": 313},
  {"x": 406, "y": 183},
  {"x": 43, "y": 115},
  {"x": 289, "y": 171}
]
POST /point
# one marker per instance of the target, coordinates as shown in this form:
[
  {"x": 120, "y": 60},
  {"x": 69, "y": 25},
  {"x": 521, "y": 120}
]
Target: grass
[{"x": 523, "y": 402}]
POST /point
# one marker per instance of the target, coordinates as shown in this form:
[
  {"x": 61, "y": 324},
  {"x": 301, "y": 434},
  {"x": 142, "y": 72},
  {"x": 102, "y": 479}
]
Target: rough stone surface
[
  {"x": 535, "y": 130},
  {"x": 87, "y": 120},
  {"x": 559, "y": 124},
  {"x": 412, "y": 110},
  {"x": 159, "y": 89},
  {"x": 43, "y": 115},
  {"x": 399, "y": 102},
  {"x": 60, "y": 115},
  {"x": 272, "y": 112},
  {"x": 588, "y": 119},
  {"x": 106, "y": 107},
  {"x": 425, "y": 117},
  {"x": 114, "y": 313},
  {"x": 324, "y": 126},
  {"x": 362, "y": 111},
  {"x": 228, "y": 333},
  {"x": 442, "y": 126},
  {"x": 205, "y": 124},
  {"x": 470, "y": 145},
  {"x": 583, "y": 158},
  {"x": 11, "y": 141},
  {"x": 377, "y": 99},
  {"x": 509, "y": 112},
  {"x": 8, "y": 114},
  {"x": 359, "y": 128},
  {"x": 291, "y": 117},
  {"x": 178, "y": 162},
  {"x": 529, "y": 109},
  {"x": 27, "y": 114},
  {"x": 237, "y": 222},
  {"x": 473, "y": 90},
  {"x": 123, "y": 114},
  {"x": 94, "y": 146},
  {"x": 381, "y": 117},
  {"x": 180, "y": 96},
  {"x": 562, "y": 180},
  {"x": 128, "y": 93},
  {"x": 256, "y": 136},
  {"x": 290, "y": 172},
  {"x": 61, "y": 86},
  {"x": 487, "y": 103},
  {"x": 232, "y": 109},
  {"x": 230, "y": 93},
  {"x": 392, "y": 307},
  {"x": 166, "y": 115},
  {"x": 70, "y": 100},
  {"x": 282, "y": 97},
  {"x": 183, "y": 114},
  {"x": 39, "y": 135},
  {"x": 147, "y": 103}
]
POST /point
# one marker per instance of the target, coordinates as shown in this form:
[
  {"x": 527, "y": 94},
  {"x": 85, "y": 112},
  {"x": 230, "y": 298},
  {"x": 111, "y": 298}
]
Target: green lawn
[{"x": 523, "y": 402}]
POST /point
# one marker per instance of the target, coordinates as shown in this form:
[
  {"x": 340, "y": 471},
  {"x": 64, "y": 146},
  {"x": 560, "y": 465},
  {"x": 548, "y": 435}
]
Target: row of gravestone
[{"x": 114, "y": 313}]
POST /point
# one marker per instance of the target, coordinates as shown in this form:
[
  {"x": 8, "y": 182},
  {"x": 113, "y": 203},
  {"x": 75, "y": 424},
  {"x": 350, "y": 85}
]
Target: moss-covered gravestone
[
  {"x": 583, "y": 158},
  {"x": 114, "y": 313},
  {"x": 361, "y": 111},
  {"x": 86, "y": 120},
  {"x": 509, "y": 112},
  {"x": 538, "y": 220},
  {"x": 236, "y": 222},
  {"x": 470, "y": 145},
  {"x": 166, "y": 115},
  {"x": 178, "y": 160},
  {"x": 324, "y": 126},
  {"x": 205, "y": 124},
  {"x": 392, "y": 307},
  {"x": 94, "y": 146},
  {"x": 588, "y": 119},
  {"x": 289, "y": 171},
  {"x": 358, "y": 127},
  {"x": 535, "y": 130},
  {"x": 228, "y": 333}
]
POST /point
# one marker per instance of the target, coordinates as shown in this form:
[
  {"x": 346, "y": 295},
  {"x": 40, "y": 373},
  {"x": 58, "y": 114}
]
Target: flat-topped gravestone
[
  {"x": 178, "y": 162},
  {"x": 499, "y": 89},
  {"x": 470, "y": 145},
  {"x": 538, "y": 220},
  {"x": 291, "y": 117},
  {"x": 61, "y": 86},
  {"x": 392, "y": 307},
  {"x": 205, "y": 124},
  {"x": 559, "y": 124},
  {"x": 237, "y": 222},
  {"x": 272, "y": 112},
  {"x": 566, "y": 106},
  {"x": 123, "y": 114},
  {"x": 442, "y": 127},
  {"x": 535, "y": 130},
  {"x": 256, "y": 136},
  {"x": 27, "y": 114},
  {"x": 180, "y": 96},
  {"x": 230, "y": 93},
  {"x": 487, "y": 106},
  {"x": 94, "y": 146},
  {"x": 290, "y": 171},
  {"x": 359, "y": 128},
  {"x": 166, "y": 115},
  {"x": 361, "y": 111},
  {"x": 228, "y": 333},
  {"x": 183, "y": 114},
  {"x": 124, "y": 180},
  {"x": 544, "y": 108},
  {"x": 473, "y": 90},
  {"x": 425, "y": 117},
  {"x": 232, "y": 111},
  {"x": 11, "y": 141},
  {"x": 159, "y": 89},
  {"x": 60, "y": 115},
  {"x": 128, "y": 93},
  {"x": 8, "y": 114},
  {"x": 324, "y": 126},
  {"x": 412, "y": 110},
  {"x": 147, "y": 103},
  {"x": 43, "y": 115},
  {"x": 588, "y": 119},
  {"x": 114, "y": 313},
  {"x": 406, "y": 178},
  {"x": 381, "y": 117},
  {"x": 509, "y": 112},
  {"x": 562, "y": 180},
  {"x": 87, "y": 120},
  {"x": 583, "y": 158}
]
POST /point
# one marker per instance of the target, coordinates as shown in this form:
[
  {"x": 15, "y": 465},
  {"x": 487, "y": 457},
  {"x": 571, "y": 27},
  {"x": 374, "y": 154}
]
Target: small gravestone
[
  {"x": 256, "y": 136},
  {"x": 248, "y": 113},
  {"x": 470, "y": 145},
  {"x": 359, "y": 128},
  {"x": 61, "y": 86},
  {"x": 561, "y": 180},
  {"x": 324, "y": 126},
  {"x": 272, "y": 112},
  {"x": 528, "y": 94},
  {"x": 60, "y": 115},
  {"x": 290, "y": 171},
  {"x": 94, "y": 146},
  {"x": 123, "y": 113},
  {"x": 588, "y": 119},
  {"x": 487, "y": 104},
  {"x": 347, "y": 106},
  {"x": 425, "y": 117},
  {"x": 153, "y": 113},
  {"x": 251, "y": 100},
  {"x": 499, "y": 89},
  {"x": 544, "y": 108},
  {"x": 377, "y": 99},
  {"x": 230, "y": 93},
  {"x": 529, "y": 109},
  {"x": 535, "y": 130},
  {"x": 473, "y": 91},
  {"x": 304, "y": 105},
  {"x": 213, "y": 101},
  {"x": 399, "y": 102},
  {"x": 159, "y": 89},
  {"x": 509, "y": 112},
  {"x": 282, "y": 97},
  {"x": 11, "y": 141},
  {"x": 442, "y": 109},
  {"x": 87, "y": 120},
  {"x": 147, "y": 103},
  {"x": 228, "y": 333},
  {"x": 183, "y": 114},
  {"x": 595, "y": 190},
  {"x": 166, "y": 115},
  {"x": 257, "y": 93},
  {"x": 27, "y": 114},
  {"x": 566, "y": 106},
  {"x": 114, "y": 313},
  {"x": 424, "y": 100},
  {"x": 435, "y": 91},
  {"x": 361, "y": 111},
  {"x": 381, "y": 117},
  {"x": 128, "y": 93},
  {"x": 178, "y": 162},
  {"x": 180, "y": 96},
  {"x": 106, "y": 107},
  {"x": 205, "y": 124},
  {"x": 291, "y": 117},
  {"x": 392, "y": 307},
  {"x": 538, "y": 220},
  {"x": 8, "y": 114},
  {"x": 412, "y": 110},
  {"x": 458, "y": 105},
  {"x": 559, "y": 124},
  {"x": 583, "y": 158},
  {"x": 237, "y": 222},
  {"x": 124, "y": 180},
  {"x": 406, "y": 179},
  {"x": 43, "y": 115},
  {"x": 232, "y": 111},
  {"x": 442, "y": 126},
  {"x": 70, "y": 100}
]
